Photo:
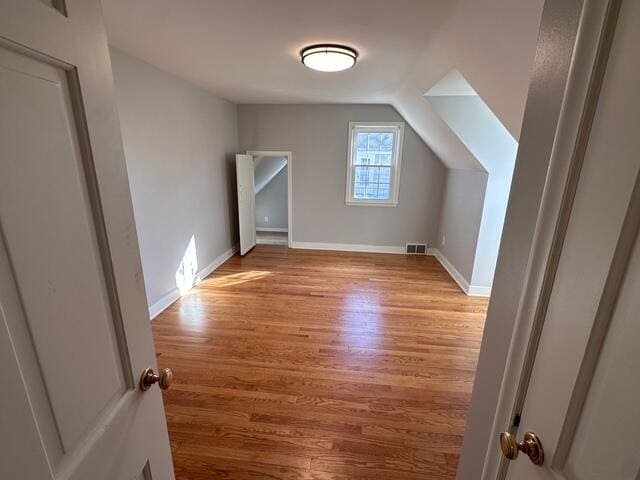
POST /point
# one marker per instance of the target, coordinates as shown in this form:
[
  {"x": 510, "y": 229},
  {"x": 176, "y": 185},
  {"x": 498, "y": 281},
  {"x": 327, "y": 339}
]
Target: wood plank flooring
[{"x": 298, "y": 364}]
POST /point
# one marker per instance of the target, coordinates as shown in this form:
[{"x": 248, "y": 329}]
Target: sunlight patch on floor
[{"x": 236, "y": 278}]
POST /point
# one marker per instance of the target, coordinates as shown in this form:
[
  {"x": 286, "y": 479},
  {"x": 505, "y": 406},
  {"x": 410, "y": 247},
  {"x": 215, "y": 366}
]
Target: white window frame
[{"x": 398, "y": 129}]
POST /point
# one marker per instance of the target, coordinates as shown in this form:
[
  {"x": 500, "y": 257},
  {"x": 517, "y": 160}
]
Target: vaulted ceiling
[{"x": 248, "y": 52}]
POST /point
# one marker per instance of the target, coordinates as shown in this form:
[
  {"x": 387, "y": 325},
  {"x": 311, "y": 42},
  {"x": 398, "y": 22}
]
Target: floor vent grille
[{"x": 416, "y": 249}]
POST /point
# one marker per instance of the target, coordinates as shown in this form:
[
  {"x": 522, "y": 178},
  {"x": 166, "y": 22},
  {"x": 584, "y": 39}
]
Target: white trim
[
  {"x": 470, "y": 290},
  {"x": 267, "y": 241},
  {"x": 166, "y": 301},
  {"x": 370, "y": 203},
  {"x": 398, "y": 128},
  {"x": 348, "y": 247},
  {"x": 270, "y": 229},
  {"x": 217, "y": 262},
  {"x": 448, "y": 266},
  {"x": 479, "y": 291},
  {"x": 289, "y": 156}
]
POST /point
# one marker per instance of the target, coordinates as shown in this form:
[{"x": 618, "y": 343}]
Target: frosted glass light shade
[{"x": 329, "y": 58}]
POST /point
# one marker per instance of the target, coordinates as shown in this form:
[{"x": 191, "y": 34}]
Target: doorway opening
[
  {"x": 264, "y": 198},
  {"x": 271, "y": 183}
]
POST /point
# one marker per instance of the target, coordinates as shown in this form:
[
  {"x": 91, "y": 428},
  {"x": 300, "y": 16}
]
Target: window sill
[{"x": 371, "y": 204}]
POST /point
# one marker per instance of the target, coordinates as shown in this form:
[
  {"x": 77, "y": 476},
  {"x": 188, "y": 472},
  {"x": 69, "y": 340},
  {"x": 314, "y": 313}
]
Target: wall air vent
[{"x": 416, "y": 249}]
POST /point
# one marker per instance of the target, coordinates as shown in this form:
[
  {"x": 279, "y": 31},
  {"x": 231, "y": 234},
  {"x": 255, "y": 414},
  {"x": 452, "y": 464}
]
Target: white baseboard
[
  {"x": 268, "y": 241},
  {"x": 270, "y": 229},
  {"x": 479, "y": 291},
  {"x": 166, "y": 301},
  {"x": 348, "y": 247},
  {"x": 471, "y": 290}
]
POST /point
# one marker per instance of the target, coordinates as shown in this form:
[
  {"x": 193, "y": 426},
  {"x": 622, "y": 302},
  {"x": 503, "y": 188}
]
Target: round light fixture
[{"x": 329, "y": 58}]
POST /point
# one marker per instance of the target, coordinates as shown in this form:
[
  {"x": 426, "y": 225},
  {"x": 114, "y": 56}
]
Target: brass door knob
[
  {"x": 530, "y": 446},
  {"x": 149, "y": 377}
]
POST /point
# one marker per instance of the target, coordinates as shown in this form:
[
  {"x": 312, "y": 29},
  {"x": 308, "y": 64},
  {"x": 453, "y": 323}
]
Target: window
[{"x": 373, "y": 174}]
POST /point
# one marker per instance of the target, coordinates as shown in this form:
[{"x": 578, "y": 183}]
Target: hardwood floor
[{"x": 298, "y": 364}]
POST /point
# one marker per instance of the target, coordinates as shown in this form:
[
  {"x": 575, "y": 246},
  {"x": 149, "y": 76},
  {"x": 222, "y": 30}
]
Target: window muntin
[{"x": 374, "y": 163}]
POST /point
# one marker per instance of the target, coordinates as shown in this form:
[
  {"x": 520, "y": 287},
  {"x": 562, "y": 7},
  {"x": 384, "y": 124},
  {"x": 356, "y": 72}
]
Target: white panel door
[
  {"x": 74, "y": 326},
  {"x": 583, "y": 396},
  {"x": 246, "y": 202}
]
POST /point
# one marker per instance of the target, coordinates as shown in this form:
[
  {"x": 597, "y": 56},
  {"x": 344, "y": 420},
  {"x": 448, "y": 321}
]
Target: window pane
[
  {"x": 373, "y": 161},
  {"x": 361, "y": 141},
  {"x": 383, "y": 191},
  {"x": 375, "y": 141},
  {"x": 383, "y": 159},
  {"x": 387, "y": 141},
  {"x": 372, "y": 191},
  {"x": 368, "y": 143},
  {"x": 363, "y": 158},
  {"x": 385, "y": 175}
]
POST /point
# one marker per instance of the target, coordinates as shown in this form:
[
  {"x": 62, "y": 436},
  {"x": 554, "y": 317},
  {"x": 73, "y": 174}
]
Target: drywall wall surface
[
  {"x": 317, "y": 136},
  {"x": 179, "y": 143},
  {"x": 272, "y": 203},
  {"x": 462, "y": 207},
  {"x": 487, "y": 138}
]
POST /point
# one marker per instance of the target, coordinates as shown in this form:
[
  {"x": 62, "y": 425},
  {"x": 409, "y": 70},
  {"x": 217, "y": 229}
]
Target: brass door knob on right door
[
  {"x": 149, "y": 377},
  {"x": 531, "y": 446}
]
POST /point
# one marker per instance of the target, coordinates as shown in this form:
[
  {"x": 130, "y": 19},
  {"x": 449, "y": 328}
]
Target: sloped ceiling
[
  {"x": 247, "y": 51},
  {"x": 474, "y": 123},
  {"x": 266, "y": 169},
  {"x": 492, "y": 44}
]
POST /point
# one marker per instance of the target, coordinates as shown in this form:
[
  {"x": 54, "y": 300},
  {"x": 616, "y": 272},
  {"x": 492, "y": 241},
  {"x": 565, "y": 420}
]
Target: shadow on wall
[{"x": 232, "y": 197}]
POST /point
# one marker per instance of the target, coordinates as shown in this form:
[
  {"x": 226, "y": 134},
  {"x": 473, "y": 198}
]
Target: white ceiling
[{"x": 247, "y": 51}]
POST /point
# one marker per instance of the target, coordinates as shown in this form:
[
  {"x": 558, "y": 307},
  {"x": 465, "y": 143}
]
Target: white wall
[
  {"x": 272, "y": 202},
  {"x": 317, "y": 136},
  {"x": 462, "y": 207},
  {"x": 487, "y": 138},
  {"x": 179, "y": 145}
]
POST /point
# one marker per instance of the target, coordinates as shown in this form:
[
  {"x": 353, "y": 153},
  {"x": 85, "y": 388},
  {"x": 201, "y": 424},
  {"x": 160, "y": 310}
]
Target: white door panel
[
  {"x": 74, "y": 327},
  {"x": 604, "y": 443},
  {"x": 582, "y": 397},
  {"x": 45, "y": 208},
  {"x": 17, "y": 421},
  {"x": 246, "y": 202}
]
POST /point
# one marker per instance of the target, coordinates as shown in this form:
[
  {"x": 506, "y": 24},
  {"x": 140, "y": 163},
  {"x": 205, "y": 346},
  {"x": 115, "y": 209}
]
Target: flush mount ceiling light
[{"x": 328, "y": 57}]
